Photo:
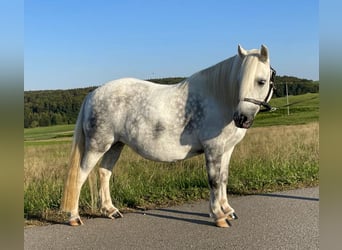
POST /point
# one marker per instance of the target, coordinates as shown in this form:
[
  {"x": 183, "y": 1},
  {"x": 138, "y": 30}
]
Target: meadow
[{"x": 269, "y": 158}]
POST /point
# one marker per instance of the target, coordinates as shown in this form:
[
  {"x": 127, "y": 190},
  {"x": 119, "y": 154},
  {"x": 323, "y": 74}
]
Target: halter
[{"x": 267, "y": 106}]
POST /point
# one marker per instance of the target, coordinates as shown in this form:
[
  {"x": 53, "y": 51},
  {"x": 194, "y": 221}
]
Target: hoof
[
  {"x": 223, "y": 223},
  {"x": 113, "y": 213},
  {"x": 232, "y": 216},
  {"x": 75, "y": 222}
]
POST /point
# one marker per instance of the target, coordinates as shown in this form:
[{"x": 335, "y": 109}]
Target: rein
[{"x": 265, "y": 104}]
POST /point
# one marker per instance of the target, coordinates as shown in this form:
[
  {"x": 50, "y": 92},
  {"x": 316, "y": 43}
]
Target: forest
[{"x": 56, "y": 107}]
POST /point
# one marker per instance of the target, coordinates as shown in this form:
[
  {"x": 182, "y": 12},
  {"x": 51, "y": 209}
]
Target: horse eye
[{"x": 262, "y": 82}]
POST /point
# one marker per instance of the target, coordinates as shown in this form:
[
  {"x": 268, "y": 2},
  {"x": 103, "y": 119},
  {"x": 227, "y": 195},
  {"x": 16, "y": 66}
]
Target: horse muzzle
[{"x": 243, "y": 121}]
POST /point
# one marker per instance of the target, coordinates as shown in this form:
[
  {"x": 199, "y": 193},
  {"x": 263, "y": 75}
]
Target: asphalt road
[{"x": 284, "y": 220}]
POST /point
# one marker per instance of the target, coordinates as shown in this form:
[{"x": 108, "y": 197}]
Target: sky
[{"x": 76, "y": 44}]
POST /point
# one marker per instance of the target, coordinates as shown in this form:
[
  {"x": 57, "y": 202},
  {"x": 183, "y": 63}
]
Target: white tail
[{"x": 70, "y": 195}]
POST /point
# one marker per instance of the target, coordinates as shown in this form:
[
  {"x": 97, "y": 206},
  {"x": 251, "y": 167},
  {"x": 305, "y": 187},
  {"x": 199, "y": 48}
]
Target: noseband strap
[
  {"x": 267, "y": 106},
  {"x": 264, "y": 104}
]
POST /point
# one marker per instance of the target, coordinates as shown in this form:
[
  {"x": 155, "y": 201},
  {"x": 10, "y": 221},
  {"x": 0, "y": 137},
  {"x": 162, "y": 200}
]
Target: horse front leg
[
  {"x": 213, "y": 164},
  {"x": 217, "y": 168},
  {"x": 227, "y": 209}
]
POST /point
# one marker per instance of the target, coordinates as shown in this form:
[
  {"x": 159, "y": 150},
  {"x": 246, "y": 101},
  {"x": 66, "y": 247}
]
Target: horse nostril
[
  {"x": 242, "y": 121},
  {"x": 243, "y": 118}
]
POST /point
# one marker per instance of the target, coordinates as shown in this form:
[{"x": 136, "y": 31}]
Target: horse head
[{"x": 255, "y": 81}]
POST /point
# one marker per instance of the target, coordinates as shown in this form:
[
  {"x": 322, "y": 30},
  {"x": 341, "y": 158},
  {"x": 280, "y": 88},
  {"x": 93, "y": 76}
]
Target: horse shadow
[
  {"x": 203, "y": 218},
  {"x": 172, "y": 215},
  {"x": 289, "y": 197}
]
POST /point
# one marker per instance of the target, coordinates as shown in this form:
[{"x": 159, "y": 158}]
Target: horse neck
[{"x": 219, "y": 81}]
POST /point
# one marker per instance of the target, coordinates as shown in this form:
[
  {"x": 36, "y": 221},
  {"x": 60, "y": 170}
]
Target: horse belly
[
  {"x": 164, "y": 150},
  {"x": 163, "y": 154},
  {"x": 159, "y": 141}
]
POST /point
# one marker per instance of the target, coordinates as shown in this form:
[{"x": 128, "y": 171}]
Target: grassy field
[
  {"x": 48, "y": 135},
  {"x": 269, "y": 158},
  {"x": 305, "y": 109}
]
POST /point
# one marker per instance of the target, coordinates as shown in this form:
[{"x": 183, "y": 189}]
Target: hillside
[{"x": 56, "y": 107}]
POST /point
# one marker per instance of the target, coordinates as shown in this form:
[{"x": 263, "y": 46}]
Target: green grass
[
  {"x": 269, "y": 158},
  {"x": 142, "y": 183},
  {"x": 305, "y": 109},
  {"x": 47, "y": 133}
]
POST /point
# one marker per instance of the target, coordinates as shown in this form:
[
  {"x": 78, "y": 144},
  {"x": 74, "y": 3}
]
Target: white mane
[{"x": 224, "y": 77}]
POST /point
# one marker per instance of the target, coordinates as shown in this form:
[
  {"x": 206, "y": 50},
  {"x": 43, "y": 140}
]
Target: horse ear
[
  {"x": 242, "y": 51},
  {"x": 264, "y": 53}
]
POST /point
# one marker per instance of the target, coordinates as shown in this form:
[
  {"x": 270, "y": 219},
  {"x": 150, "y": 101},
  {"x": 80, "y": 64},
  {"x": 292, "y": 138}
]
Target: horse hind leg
[
  {"x": 88, "y": 162},
  {"x": 105, "y": 171}
]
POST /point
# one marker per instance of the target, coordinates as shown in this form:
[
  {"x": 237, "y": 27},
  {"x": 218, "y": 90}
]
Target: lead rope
[{"x": 290, "y": 104}]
